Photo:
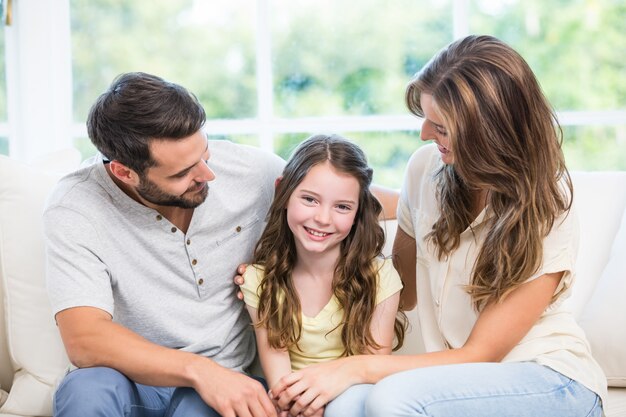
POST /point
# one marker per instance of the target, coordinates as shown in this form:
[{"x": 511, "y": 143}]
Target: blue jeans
[
  {"x": 105, "y": 392},
  {"x": 476, "y": 389}
]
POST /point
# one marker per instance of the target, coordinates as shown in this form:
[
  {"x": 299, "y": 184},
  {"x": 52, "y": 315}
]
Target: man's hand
[
  {"x": 241, "y": 269},
  {"x": 233, "y": 394},
  {"x": 93, "y": 339}
]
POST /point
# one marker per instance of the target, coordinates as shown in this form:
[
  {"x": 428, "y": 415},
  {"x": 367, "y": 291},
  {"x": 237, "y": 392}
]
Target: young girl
[
  {"x": 319, "y": 289},
  {"x": 488, "y": 238}
]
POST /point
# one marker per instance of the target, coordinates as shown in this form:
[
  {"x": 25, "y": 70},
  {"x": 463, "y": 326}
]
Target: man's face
[{"x": 179, "y": 177}]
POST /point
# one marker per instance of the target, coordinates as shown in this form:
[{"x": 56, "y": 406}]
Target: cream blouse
[{"x": 445, "y": 309}]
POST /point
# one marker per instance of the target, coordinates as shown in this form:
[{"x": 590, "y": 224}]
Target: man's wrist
[{"x": 197, "y": 368}]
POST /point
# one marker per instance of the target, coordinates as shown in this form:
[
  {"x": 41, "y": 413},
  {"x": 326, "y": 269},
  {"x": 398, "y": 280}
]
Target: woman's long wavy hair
[
  {"x": 506, "y": 140},
  {"x": 354, "y": 282}
]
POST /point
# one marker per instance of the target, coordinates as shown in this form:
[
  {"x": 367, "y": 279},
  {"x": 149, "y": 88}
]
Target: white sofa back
[{"x": 32, "y": 357}]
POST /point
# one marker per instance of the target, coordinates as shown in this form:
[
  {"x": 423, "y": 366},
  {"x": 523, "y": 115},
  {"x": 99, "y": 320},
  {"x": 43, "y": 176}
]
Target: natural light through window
[{"x": 269, "y": 72}]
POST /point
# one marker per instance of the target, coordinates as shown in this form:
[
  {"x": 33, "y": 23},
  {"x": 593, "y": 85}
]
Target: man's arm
[
  {"x": 388, "y": 198},
  {"x": 91, "y": 339}
]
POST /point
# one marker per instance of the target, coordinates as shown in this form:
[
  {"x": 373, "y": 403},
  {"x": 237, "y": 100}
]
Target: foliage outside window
[{"x": 345, "y": 62}]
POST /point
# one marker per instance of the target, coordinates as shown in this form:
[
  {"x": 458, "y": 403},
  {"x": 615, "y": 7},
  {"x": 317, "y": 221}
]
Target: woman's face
[{"x": 434, "y": 129}]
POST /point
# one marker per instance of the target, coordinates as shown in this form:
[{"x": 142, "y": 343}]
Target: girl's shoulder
[
  {"x": 382, "y": 262},
  {"x": 254, "y": 274},
  {"x": 388, "y": 279},
  {"x": 385, "y": 269}
]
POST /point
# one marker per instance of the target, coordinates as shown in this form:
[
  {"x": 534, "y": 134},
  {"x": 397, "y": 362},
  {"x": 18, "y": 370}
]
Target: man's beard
[{"x": 189, "y": 199}]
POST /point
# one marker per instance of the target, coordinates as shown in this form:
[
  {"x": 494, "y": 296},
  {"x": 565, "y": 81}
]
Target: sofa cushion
[
  {"x": 36, "y": 352},
  {"x": 604, "y": 318},
  {"x": 600, "y": 200}
]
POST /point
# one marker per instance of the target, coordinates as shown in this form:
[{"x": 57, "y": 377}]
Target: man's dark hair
[{"x": 136, "y": 109}]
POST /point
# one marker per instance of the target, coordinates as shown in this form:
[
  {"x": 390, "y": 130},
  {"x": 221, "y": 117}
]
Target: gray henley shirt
[{"x": 106, "y": 250}]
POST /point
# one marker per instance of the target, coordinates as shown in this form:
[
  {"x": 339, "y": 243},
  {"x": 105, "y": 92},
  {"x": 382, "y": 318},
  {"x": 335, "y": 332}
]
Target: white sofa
[{"x": 32, "y": 358}]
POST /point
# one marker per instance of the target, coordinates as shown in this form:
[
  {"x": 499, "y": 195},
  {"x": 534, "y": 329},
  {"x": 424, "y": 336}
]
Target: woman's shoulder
[
  {"x": 422, "y": 165},
  {"x": 419, "y": 178},
  {"x": 424, "y": 157}
]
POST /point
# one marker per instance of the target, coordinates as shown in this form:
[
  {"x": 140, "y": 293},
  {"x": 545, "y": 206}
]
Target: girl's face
[
  {"x": 434, "y": 129},
  {"x": 321, "y": 209}
]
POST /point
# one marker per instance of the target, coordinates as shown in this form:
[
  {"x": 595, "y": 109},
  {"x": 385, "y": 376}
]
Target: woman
[{"x": 486, "y": 213}]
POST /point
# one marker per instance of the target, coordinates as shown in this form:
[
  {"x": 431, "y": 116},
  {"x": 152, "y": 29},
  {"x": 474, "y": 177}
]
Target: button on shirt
[
  {"x": 107, "y": 251},
  {"x": 445, "y": 309}
]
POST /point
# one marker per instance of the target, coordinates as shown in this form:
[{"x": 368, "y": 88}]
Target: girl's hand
[
  {"x": 318, "y": 413},
  {"x": 307, "y": 391}
]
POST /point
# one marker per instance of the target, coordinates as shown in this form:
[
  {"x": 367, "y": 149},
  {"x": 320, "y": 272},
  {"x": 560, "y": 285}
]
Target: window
[
  {"x": 206, "y": 46},
  {"x": 4, "y": 128},
  {"x": 271, "y": 72}
]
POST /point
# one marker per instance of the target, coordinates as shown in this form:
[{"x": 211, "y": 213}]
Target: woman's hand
[{"x": 307, "y": 391}]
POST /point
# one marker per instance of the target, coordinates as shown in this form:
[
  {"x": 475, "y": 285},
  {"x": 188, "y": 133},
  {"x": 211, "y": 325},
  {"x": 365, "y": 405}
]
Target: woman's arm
[
  {"x": 275, "y": 362},
  {"x": 404, "y": 254},
  {"x": 382, "y": 328},
  {"x": 499, "y": 327}
]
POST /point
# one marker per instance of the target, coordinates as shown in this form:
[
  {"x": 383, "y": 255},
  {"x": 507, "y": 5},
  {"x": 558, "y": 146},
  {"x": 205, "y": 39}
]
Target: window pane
[
  {"x": 206, "y": 46},
  {"x": 341, "y": 57},
  {"x": 285, "y": 144},
  {"x": 4, "y": 141},
  {"x": 576, "y": 48},
  {"x": 595, "y": 148},
  {"x": 387, "y": 152},
  {"x": 3, "y": 77},
  {"x": 85, "y": 147},
  {"x": 251, "y": 140}
]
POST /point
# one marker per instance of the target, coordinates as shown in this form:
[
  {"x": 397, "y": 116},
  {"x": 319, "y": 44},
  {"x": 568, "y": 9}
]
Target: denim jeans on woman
[
  {"x": 478, "y": 389},
  {"x": 105, "y": 392}
]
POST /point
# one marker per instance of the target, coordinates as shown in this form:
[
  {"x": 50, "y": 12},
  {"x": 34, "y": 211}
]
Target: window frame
[{"x": 38, "y": 60}]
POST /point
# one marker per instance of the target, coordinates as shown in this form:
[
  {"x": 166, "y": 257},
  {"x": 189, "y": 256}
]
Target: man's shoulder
[
  {"x": 243, "y": 163},
  {"x": 224, "y": 152},
  {"x": 76, "y": 188}
]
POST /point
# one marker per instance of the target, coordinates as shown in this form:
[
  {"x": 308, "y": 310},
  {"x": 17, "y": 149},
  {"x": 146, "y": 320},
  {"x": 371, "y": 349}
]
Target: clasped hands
[
  {"x": 297, "y": 394},
  {"x": 304, "y": 392}
]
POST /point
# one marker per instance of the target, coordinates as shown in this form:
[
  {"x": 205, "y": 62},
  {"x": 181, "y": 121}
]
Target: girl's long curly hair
[
  {"x": 506, "y": 140},
  {"x": 355, "y": 279}
]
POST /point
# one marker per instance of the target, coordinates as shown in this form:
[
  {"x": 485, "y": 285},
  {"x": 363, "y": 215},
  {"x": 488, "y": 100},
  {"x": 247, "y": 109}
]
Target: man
[{"x": 142, "y": 244}]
